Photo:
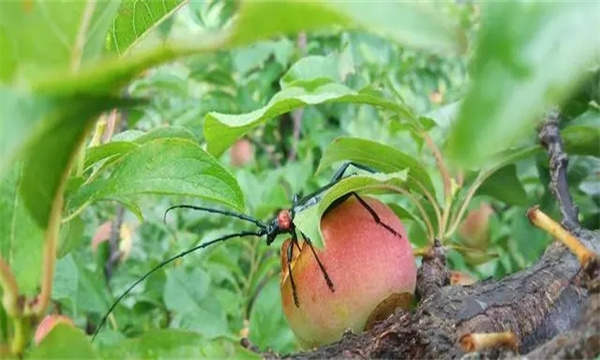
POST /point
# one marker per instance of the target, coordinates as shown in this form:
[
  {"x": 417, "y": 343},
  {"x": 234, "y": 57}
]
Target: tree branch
[{"x": 550, "y": 137}]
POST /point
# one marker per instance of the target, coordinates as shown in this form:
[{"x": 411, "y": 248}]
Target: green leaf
[
  {"x": 65, "y": 284},
  {"x": 221, "y": 130},
  {"x": 268, "y": 327},
  {"x": 85, "y": 289},
  {"x": 164, "y": 166},
  {"x": 115, "y": 149},
  {"x": 309, "y": 220},
  {"x": 45, "y": 132},
  {"x": 505, "y": 186},
  {"x": 21, "y": 239},
  {"x": 174, "y": 344},
  {"x": 64, "y": 342},
  {"x": 166, "y": 132},
  {"x": 582, "y": 136},
  {"x": 71, "y": 236},
  {"x": 310, "y": 68},
  {"x": 378, "y": 156},
  {"x": 136, "y": 18},
  {"x": 180, "y": 297},
  {"x": 529, "y": 57},
  {"x": 46, "y": 36},
  {"x": 193, "y": 309},
  {"x": 417, "y": 25},
  {"x": 110, "y": 150}
]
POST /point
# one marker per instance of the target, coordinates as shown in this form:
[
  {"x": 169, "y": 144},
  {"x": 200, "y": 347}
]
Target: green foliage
[
  {"x": 518, "y": 73},
  {"x": 163, "y": 166},
  {"x": 370, "y": 83},
  {"x": 64, "y": 342},
  {"x": 221, "y": 130}
]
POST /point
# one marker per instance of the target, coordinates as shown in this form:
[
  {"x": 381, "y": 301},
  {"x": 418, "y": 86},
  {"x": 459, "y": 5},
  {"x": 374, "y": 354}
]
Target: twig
[
  {"x": 544, "y": 222},
  {"x": 550, "y": 137},
  {"x": 10, "y": 299},
  {"x": 478, "y": 341},
  {"x": 113, "y": 241},
  {"x": 446, "y": 178},
  {"x": 299, "y": 113}
]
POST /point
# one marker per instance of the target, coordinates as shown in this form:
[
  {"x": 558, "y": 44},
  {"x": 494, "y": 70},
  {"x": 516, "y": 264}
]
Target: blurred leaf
[
  {"x": 66, "y": 280},
  {"x": 193, "y": 309},
  {"x": 310, "y": 68},
  {"x": 511, "y": 156},
  {"x": 526, "y": 243},
  {"x": 533, "y": 63},
  {"x": 164, "y": 166},
  {"x": 308, "y": 219},
  {"x": 21, "y": 239},
  {"x": 418, "y": 25},
  {"x": 136, "y": 18},
  {"x": 45, "y": 132},
  {"x": 85, "y": 289},
  {"x": 254, "y": 56},
  {"x": 166, "y": 132},
  {"x": 221, "y": 130},
  {"x": 417, "y": 233},
  {"x": 172, "y": 343},
  {"x": 582, "y": 136},
  {"x": 413, "y": 24},
  {"x": 64, "y": 342},
  {"x": 181, "y": 297},
  {"x": 378, "y": 156},
  {"x": 268, "y": 327},
  {"x": 43, "y": 36},
  {"x": 505, "y": 186}
]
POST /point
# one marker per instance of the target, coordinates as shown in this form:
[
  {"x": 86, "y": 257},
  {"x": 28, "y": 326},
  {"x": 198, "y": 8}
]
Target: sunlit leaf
[
  {"x": 379, "y": 157},
  {"x": 135, "y": 18},
  {"x": 221, "y": 130},
  {"x": 164, "y": 166},
  {"x": 45, "y": 36}
]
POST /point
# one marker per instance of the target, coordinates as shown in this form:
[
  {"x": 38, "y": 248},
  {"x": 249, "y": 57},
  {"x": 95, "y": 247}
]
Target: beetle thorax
[{"x": 284, "y": 220}]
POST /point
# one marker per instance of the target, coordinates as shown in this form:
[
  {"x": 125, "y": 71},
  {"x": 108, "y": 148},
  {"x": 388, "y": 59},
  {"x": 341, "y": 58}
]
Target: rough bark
[{"x": 553, "y": 307}]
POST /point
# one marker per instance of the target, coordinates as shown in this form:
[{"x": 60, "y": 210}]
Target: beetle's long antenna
[
  {"x": 255, "y": 221},
  {"x": 201, "y": 246}
]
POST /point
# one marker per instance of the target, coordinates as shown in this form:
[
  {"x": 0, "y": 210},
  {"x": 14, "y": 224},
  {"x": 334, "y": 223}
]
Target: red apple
[
  {"x": 475, "y": 229},
  {"x": 373, "y": 272},
  {"x": 242, "y": 152},
  {"x": 47, "y": 324}
]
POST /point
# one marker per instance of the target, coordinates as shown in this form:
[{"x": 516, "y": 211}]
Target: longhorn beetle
[{"x": 280, "y": 224}]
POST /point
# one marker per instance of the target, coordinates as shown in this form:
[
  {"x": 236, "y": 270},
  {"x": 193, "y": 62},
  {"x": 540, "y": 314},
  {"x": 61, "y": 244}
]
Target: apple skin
[
  {"x": 47, "y": 324},
  {"x": 373, "y": 272},
  {"x": 242, "y": 153}
]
